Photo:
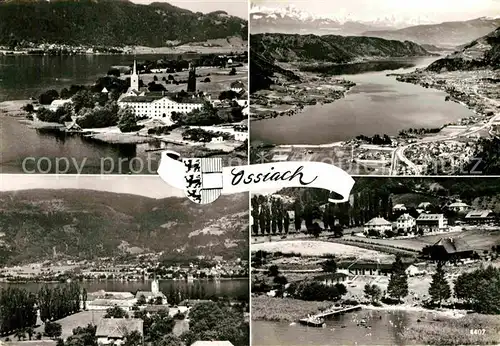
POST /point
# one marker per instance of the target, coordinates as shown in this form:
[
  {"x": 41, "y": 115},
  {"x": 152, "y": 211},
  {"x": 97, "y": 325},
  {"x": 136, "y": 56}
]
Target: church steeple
[{"x": 134, "y": 78}]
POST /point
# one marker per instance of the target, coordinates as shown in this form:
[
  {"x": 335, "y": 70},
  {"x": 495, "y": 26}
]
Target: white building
[
  {"x": 399, "y": 207},
  {"x": 59, "y": 103},
  {"x": 458, "y": 207},
  {"x": 377, "y": 224},
  {"x": 405, "y": 222},
  {"x": 431, "y": 223},
  {"x": 112, "y": 331},
  {"x": 157, "y": 105},
  {"x": 153, "y": 294}
]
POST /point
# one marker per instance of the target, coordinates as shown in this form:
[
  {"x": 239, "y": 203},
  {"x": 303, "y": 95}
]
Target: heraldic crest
[{"x": 203, "y": 177}]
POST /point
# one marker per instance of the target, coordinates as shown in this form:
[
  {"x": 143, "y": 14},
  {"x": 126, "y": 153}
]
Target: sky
[
  {"x": 366, "y": 10},
  {"x": 149, "y": 186},
  {"x": 233, "y": 7}
]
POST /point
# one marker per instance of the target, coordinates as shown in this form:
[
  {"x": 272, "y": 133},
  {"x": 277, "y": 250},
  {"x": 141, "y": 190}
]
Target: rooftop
[
  {"x": 155, "y": 96},
  {"x": 212, "y": 343},
  {"x": 378, "y": 221},
  {"x": 405, "y": 217},
  {"x": 430, "y": 217},
  {"x": 452, "y": 245},
  {"x": 479, "y": 214},
  {"x": 118, "y": 327}
]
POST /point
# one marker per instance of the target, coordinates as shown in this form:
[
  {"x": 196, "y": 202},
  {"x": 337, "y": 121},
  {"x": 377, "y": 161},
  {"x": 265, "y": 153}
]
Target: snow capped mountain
[{"x": 290, "y": 12}]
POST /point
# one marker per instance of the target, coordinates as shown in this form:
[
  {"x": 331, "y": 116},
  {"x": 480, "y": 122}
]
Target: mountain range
[
  {"x": 111, "y": 23},
  {"x": 479, "y": 54},
  {"x": 421, "y": 30},
  {"x": 83, "y": 224},
  {"x": 268, "y": 49},
  {"x": 448, "y": 34},
  {"x": 330, "y": 48}
]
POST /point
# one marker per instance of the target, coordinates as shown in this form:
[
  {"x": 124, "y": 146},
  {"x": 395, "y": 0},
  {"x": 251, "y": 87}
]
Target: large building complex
[{"x": 159, "y": 105}]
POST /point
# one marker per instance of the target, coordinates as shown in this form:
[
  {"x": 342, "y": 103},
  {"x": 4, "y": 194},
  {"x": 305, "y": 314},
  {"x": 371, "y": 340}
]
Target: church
[{"x": 159, "y": 105}]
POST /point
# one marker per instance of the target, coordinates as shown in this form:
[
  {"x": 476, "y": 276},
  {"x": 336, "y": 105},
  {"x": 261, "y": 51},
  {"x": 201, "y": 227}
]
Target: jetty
[{"x": 318, "y": 319}]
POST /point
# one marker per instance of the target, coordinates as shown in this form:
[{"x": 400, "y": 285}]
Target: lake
[
  {"x": 231, "y": 288},
  {"x": 383, "y": 328},
  {"x": 25, "y": 76},
  {"x": 378, "y": 104}
]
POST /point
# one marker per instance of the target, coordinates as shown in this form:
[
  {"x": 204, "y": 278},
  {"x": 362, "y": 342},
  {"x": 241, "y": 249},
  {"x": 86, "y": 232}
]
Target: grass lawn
[
  {"x": 313, "y": 248},
  {"x": 81, "y": 319},
  {"x": 278, "y": 309}
]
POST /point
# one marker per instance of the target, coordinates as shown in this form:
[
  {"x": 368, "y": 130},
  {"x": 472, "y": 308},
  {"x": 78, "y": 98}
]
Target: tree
[
  {"x": 373, "y": 292},
  {"x": 232, "y": 72},
  {"x": 47, "y": 97},
  {"x": 255, "y": 214},
  {"x": 286, "y": 222},
  {"x": 329, "y": 266},
  {"x": 20, "y": 334},
  {"x": 274, "y": 271},
  {"x": 398, "y": 283},
  {"x": 439, "y": 289},
  {"x": 115, "y": 312},
  {"x": 52, "y": 330},
  {"x": 170, "y": 340},
  {"x": 298, "y": 215},
  {"x": 133, "y": 338},
  {"x": 217, "y": 321},
  {"x": 141, "y": 300},
  {"x": 128, "y": 120},
  {"x": 160, "y": 324}
]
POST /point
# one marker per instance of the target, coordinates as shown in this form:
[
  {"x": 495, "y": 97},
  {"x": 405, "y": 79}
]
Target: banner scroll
[{"x": 205, "y": 179}]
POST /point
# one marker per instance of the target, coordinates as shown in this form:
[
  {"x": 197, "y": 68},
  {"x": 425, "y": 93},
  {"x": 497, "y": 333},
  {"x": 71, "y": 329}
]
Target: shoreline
[
  {"x": 65, "y": 50},
  {"x": 474, "y": 104}
]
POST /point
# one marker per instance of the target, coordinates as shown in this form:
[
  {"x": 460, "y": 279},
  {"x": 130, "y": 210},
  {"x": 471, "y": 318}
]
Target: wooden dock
[{"x": 332, "y": 312}]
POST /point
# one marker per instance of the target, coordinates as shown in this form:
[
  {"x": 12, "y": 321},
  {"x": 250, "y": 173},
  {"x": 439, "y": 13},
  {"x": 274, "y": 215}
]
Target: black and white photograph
[
  {"x": 406, "y": 261},
  {"x": 103, "y": 86},
  {"x": 120, "y": 260},
  {"x": 378, "y": 87}
]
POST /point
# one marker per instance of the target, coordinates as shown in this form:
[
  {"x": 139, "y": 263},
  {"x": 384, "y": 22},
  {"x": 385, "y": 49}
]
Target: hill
[
  {"x": 330, "y": 48},
  {"x": 111, "y": 23},
  {"x": 42, "y": 224},
  {"x": 481, "y": 53},
  {"x": 447, "y": 34}
]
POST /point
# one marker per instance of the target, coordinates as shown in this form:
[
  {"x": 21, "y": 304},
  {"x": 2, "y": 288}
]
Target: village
[{"x": 356, "y": 259}]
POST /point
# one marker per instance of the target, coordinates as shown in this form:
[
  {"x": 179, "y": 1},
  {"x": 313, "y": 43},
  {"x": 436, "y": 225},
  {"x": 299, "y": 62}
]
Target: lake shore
[{"x": 426, "y": 326}]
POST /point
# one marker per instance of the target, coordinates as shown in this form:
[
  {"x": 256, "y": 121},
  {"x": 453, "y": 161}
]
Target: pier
[{"x": 333, "y": 312}]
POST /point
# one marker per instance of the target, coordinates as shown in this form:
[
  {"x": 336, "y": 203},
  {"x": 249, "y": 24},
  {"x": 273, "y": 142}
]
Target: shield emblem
[{"x": 203, "y": 177}]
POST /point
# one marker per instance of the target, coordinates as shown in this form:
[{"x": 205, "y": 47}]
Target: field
[
  {"x": 313, "y": 248},
  {"x": 277, "y": 309},
  {"x": 478, "y": 239},
  {"x": 220, "y": 80},
  {"x": 456, "y": 331}
]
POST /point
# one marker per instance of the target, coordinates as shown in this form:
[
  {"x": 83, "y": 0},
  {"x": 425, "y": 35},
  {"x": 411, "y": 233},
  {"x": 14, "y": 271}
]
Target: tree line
[{"x": 19, "y": 307}]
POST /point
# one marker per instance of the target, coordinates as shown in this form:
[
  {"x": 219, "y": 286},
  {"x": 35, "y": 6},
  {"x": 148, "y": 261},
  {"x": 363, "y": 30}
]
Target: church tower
[
  {"x": 191, "y": 87},
  {"x": 134, "y": 78},
  {"x": 155, "y": 286}
]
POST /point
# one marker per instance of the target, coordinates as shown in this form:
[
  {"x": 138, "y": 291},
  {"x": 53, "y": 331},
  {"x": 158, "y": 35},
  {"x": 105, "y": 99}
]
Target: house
[
  {"x": 378, "y": 225},
  {"x": 448, "y": 249},
  {"x": 480, "y": 216},
  {"x": 365, "y": 269},
  {"x": 405, "y": 222},
  {"x": 399, "y": 208},
  {"x": 413, "y": 270},
  {"x": 104, "y": 90},
  {"x": 424, "y": 205},
  {"x": 237, "y": 87},
  {"x": 112, "y": 331},
  {"x": 332, "y": 278},
  {"x": 458, "y": 207},
  {"x": 56, "y": 104},
  {"x": 219, "y": 139},
  {"x": 431, "y": 223},
  {"x": 212, "y": 343},
  {"x": 102, "y": 304}
]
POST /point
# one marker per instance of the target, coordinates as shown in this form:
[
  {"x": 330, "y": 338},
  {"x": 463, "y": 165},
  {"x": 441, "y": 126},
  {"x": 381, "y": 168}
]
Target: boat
[{"x": 313, "y": 322}]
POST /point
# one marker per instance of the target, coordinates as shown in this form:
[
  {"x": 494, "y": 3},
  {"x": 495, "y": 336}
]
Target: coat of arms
[{"x": 203, "y": 179}]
